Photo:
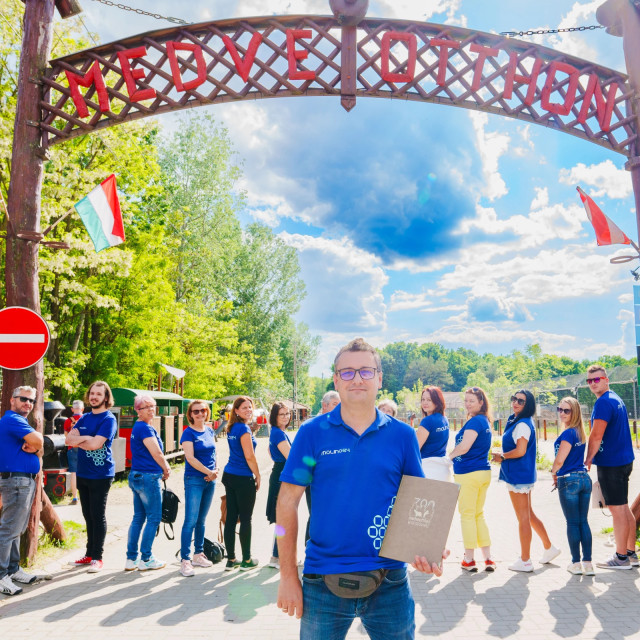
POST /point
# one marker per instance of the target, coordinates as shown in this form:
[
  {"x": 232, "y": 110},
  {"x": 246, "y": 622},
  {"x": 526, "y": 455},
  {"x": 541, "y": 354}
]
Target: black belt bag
[{"x": 354, "y": 585}]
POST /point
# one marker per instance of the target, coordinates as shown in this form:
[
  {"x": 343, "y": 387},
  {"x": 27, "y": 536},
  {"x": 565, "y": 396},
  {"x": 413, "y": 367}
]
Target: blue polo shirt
[
  {"x": 438, "y": 427},
  {"x": 204, "y": 449},
  {"x": 99, "y": 464},
  {"x": 13, "y": 429},
  {"x": 141, "y": 458},
  {"x": 477, "y": 458},
  {"x": 237, "y": 464},
  {"x": 575, "y": 460},
  {"x": 354, "y": 481},
  {"x": 616, "y": 448},
  {"x": 277, "y": 436}
]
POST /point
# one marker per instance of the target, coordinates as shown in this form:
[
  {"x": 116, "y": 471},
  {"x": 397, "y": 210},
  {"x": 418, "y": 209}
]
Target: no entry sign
[{"x": 24, "y": 338}]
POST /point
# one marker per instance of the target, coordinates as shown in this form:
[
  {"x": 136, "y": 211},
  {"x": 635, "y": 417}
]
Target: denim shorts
[
  {"x": 72, "y": 459},
  {"x": 518, "y": 488},
  {"x": 614, "y": 482}
]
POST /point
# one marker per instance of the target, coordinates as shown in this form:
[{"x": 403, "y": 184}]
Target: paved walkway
[{"x": 161, "y": 604}]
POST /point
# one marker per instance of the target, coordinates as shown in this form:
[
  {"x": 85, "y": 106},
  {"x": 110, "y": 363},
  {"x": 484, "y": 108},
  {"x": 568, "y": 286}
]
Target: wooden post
[
  {"x": 544, "y": 426},
  {"x": 25, "y": 186},
  {"x": 635, "y": 432}
]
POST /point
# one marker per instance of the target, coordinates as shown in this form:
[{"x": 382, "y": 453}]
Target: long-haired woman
[
  {"x": 518, "y": 472},
  {"x": 433, "y": 435},
  {"x": 279, "y": 446},
  {"x": 241, "y": 479},
  {"x": 472, "y": 472},
  {"x": 574, "y": 484}
]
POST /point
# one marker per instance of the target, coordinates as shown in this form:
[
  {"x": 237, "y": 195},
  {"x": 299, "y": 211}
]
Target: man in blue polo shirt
[
  {"x": 20, "y": 451},
  {"x": 611, "y": 449},
  {"x": 353, "y": 458}
]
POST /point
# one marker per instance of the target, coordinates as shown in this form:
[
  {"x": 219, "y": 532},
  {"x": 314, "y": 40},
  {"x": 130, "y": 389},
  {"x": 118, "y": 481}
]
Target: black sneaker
[
  {"x": 231, "y": 565},
  {"x": 247, "y": 565}
]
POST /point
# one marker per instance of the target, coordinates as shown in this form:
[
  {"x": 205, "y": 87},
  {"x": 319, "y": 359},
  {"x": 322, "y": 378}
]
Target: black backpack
[
  {"x": 214, "y": 551},
  {"x": 170, "y": 502}
]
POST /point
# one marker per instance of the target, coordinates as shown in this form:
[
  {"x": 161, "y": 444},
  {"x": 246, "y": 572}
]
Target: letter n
[
  {"x": 604, "y": 110},
  {"x": 92, "y": 77}
]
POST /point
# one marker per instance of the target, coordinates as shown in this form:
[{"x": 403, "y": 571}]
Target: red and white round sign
[{"x": 24, "y": 338}]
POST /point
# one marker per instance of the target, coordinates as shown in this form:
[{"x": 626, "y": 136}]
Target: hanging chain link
[
  {"x": 541, "y": 32},
  {"x": 140, "y": 12}
]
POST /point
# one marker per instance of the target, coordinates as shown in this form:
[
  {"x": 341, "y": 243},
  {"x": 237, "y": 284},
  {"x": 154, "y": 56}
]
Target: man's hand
[
  {"x": 166, "y": 474},
  {"x": 422, "y": 564},
  {"x": 587, "y": 463},
  {"x": 74, "y": 432},
  {"x": 257, "y": 481},
  {"x": 26, "y": 447},
  {"x": 290, "y": 596}
]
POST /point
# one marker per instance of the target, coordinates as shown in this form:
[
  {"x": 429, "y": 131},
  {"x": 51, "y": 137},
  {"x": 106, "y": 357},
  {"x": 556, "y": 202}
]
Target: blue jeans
[
  {"x": 147, "y": 505},
  {"x": 575, "y": 495},
  {"x": 198, "y": 494},
  {"x": 387, "y": 614},
  {"x": 17, "y": 496}
]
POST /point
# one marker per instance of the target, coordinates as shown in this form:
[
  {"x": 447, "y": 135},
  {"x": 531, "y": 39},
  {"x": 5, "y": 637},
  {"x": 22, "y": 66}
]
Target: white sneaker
[
  {"x": 274, "y": 563},
  {"x": 587, "y": 569},
  {"x": 8, "y": 588},
  {"x": 575, "y": 568},
  {"x": 186, "y": 569},
  {"x": 549, "y": 554},
  {"x": 151, "y": 564},
  {"x": 200, "y": 560},
  {"x": 520, "y": 565},
  {"x": 130, "y": 565},
  {"x": 23, "y": 577}
]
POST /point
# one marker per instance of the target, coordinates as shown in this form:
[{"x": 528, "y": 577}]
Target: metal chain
[
  {"x": 513, "y": 34},
  {"x": 140, "y": 12}
]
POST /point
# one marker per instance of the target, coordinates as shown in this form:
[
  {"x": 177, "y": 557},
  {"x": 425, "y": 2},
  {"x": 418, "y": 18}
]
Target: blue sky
[{"x": 422, "y": 222}]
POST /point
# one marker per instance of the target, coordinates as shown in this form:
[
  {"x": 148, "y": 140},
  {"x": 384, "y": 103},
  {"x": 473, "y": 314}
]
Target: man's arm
[
  {"x": 595, "y": 440},
  {"x": 92, "y": 443},
  {"x": 290, "y": 589},
  {"x": 33, "y": 443}
]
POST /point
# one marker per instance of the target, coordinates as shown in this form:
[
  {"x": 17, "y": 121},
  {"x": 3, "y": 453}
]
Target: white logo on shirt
[{"x": 330, "y": 452}]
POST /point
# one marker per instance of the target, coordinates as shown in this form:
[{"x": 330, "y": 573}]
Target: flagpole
[{"x": 52, "y": 226}]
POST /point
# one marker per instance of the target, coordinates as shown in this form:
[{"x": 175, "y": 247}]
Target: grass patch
[
  {"x": 543, "y": 463},
  {"x": 606, "y": 530},
  {"x": 49, "y": 548}
]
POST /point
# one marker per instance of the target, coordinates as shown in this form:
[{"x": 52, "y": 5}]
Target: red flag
[{"x": 607, "y": 232}]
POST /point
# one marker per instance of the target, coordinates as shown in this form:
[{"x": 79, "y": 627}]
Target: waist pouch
[{"x": 354, "y": 585}]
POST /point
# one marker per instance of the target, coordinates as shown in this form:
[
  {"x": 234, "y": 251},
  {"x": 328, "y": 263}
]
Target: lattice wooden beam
[{"x": 268, "y": 57}]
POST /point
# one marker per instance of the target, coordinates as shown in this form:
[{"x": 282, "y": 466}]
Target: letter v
[{"x": 243, "y": 66}]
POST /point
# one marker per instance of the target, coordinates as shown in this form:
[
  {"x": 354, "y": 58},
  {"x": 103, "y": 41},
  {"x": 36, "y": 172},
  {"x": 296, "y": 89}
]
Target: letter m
[{"x": 92, "y": 77}]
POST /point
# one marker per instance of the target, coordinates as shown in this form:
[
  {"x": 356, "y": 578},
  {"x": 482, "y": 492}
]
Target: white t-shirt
[{"x": 522, "y": 430}]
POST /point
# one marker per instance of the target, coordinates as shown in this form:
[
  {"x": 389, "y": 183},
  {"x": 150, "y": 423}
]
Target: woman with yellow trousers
[{"x": 472, "y": 472}]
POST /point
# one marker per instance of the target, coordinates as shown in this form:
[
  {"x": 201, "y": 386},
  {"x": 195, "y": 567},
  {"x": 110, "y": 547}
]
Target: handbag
[
  {"x": 170, "y": 502},
  {"x": 214, "y": 551},
  {"x": 597, "y": 499},
  {"x": 359, "y": 584}
]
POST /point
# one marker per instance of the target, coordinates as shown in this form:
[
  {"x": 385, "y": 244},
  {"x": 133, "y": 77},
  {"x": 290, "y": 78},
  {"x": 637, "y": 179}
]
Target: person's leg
[
  {"x": 84, "y": 492},
  {"x": 152, "y": 501},
  {"x": 205, "y": 504},
  {"x": 614, "y": 482},
  {"x": 538, "y": 526},
  {"x": 74, "y": 487},
  {"x": 324, "y": 615},
  {"x": 389, "y": 612},
  {"x": 17, "y": 496},
  {"x": 192, "y": 492},
  {"x": 483, "y": 481},
  {"x": 139, "y": 515},
  {"x": 99, "y": 514},
  {"x": 247, "y": 500},
  {"x": 584, "y": 502},
  {"x": 467, "y": 509},
  {"x": 520, "y": 502},
  {"x": 569, "y": 493},
  {"x": 233, "y": 510}
]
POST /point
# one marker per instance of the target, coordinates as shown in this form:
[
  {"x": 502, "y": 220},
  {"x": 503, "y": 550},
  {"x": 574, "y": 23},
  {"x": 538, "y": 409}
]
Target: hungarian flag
[
  {"x": 607, "y": 232},
  {"x": 100, "y": 212}
]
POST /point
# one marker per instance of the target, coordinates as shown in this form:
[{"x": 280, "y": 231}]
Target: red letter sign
[
  {"x": 563, "y": 109},
  {"x": 93, "y": 76},
  {"x": 484, "y": 52},
  {"x": 604, "y": 110},
  {"x": 385, "y": 51},
  {"x": 196, "y": 49},
  {"x": 298, "y": 54},
  {"x": 131, "y": 75},
  {"x": 444, "y": 57},
  {"x": 244, "y": 66},
  {"x": 513, "y": 76}
]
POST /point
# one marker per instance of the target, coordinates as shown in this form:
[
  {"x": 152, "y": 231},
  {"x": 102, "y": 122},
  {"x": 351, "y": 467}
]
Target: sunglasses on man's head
[
  {"x": 366, "y": 373},
  {"x": 25, "y": 399},
  {"x": 595, "y": 380},
  {"x": 519, "y": 401},
  {"x": 565, "y": 411}
]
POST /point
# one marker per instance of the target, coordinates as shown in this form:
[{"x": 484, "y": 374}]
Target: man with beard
[
  {"x": 93, "y": 434},
  {"x": 20, "y": 448}
]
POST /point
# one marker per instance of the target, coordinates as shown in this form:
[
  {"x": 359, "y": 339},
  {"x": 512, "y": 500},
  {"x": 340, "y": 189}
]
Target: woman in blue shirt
[
  {"x": 518, "y": 472},
  {"x": 574, "y": 484},
  {"x": 148, "y": 467},
  {"x": 241, "y": 479},
  {"x": 433, "y": 435},
  {"x": 200, "y": 473},
  {"x": 279, "y": 446},
  {"x": 472, "y": 472}
]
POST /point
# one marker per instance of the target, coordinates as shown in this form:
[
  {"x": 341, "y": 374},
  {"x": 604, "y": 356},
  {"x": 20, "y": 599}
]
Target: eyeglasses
[
  {"x": 519, "y": 401},
  {"x": 149, "y": 406},
  {"x": 565, "y": 411},
  {"x": 25, "y": 399},
  {"x": 195, "y": 412},
  {"x": 366, "y": 373},
  {"x": 286, "y": 413},
  {"x": 596, "y": 380}
]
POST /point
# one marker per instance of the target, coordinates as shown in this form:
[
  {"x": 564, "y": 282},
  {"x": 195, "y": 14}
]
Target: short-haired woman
[
  {"x": 279, "y": 446},
  {"x": 574, "y": 484},
  {"x": 518, "y": 472},
  {"x": 148, "y": 468},
  {"x": 472, "y": 472},
  {"x": 389, "y": 407},
  {"x": 433, "y": 435},
  {"x": 200, "y": 472},
  {"x": 241, "y": 479}
]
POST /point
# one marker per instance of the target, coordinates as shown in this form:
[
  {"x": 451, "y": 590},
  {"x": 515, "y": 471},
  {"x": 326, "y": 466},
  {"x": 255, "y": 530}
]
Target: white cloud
[
  {"x": 421, "y": 10},
  {"x": 491, "y": 146},
  {"x": 625, "y": 298},
  {"x": 607, "y": 179}
]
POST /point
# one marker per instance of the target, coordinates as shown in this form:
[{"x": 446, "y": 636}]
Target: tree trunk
[
  {"x": 21, "y": 267},
  {"x": 51, "y": 520}
]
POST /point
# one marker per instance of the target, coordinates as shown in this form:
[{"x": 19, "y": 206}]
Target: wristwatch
[{"x": 502, "y": 456}]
